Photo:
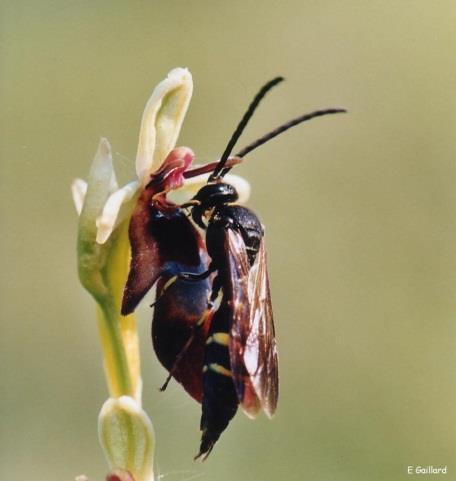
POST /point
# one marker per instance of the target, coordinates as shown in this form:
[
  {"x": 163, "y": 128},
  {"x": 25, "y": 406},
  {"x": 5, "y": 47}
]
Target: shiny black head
[
  {"x": 215, "y": 194},
  {"x": 210, "y": 196}
]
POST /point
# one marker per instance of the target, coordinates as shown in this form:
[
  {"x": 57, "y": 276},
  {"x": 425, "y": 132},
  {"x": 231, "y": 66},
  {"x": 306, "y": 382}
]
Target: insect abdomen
[{"x": 220, "y": 399}]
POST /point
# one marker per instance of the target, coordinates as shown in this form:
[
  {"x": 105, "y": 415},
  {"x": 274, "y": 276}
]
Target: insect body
[
  {"x": 213, "y": 327},
  {"x": 240, "y": 363}
]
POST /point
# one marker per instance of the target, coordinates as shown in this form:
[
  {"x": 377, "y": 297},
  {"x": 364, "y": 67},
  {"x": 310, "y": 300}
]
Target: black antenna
[
  {"x": 282, "y": 128},
  {"x": 218, "y": 172}
]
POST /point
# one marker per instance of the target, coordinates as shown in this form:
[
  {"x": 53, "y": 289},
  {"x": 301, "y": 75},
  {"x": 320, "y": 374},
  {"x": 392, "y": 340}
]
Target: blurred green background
[{"x": 360, "y": 213}]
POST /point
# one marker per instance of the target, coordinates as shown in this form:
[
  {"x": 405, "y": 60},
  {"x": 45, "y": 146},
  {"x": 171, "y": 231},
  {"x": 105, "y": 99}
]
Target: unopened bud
[{"x": 127, "y": 437}]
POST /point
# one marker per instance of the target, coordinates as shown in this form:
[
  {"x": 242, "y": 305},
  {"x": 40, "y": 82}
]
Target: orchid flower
[{"x": 125, "y": 430}]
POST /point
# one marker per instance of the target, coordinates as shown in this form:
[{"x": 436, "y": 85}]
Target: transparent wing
[
  {"x": 253, "y": 351},
  {"x": 260, "y": 351}
]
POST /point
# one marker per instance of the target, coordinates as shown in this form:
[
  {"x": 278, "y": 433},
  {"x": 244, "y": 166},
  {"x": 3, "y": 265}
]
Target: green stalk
[
  {"x": 103, "y": 271},
  {"x": 114, "y": 356},
  {"x": 118, "y": 333}
]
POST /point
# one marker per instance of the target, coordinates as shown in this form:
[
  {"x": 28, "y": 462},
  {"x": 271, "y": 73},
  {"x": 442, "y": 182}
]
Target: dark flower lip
[{"x": 170, "y": 175}]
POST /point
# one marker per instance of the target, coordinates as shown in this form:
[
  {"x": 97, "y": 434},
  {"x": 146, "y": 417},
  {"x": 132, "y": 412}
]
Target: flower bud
[{"x": 127, "y": 437}]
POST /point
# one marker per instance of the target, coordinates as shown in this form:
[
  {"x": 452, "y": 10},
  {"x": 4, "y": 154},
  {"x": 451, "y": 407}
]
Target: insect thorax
[{"x": 239, "y": 218}]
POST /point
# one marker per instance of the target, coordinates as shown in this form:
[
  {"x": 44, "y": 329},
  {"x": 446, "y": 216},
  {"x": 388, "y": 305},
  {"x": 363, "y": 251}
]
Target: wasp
[{"x": 212, "y": 326}]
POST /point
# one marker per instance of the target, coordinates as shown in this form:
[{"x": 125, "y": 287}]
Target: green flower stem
[
  {"x": 119, "y": 337},
  {"x": 114, "y": 355},
  {"x": 103, "y": 271}
]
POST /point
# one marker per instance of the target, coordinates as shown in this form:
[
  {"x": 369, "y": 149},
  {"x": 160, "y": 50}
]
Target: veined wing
[
  {"x": 238, "y": 300},
  {"x": 253, "y": 349},
  {"x": 260, "y": 350}
]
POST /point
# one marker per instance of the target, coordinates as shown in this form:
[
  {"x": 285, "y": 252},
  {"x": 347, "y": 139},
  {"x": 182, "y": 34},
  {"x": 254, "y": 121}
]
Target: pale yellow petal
[
  {"x": 162, "y": 120},
  {"x": 110, "y": 217}
]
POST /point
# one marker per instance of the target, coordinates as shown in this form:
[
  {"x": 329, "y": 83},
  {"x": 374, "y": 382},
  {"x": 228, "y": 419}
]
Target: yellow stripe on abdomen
[
  {"x": 221, "y": 338},
  {"x": 218, "y": 368}
]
